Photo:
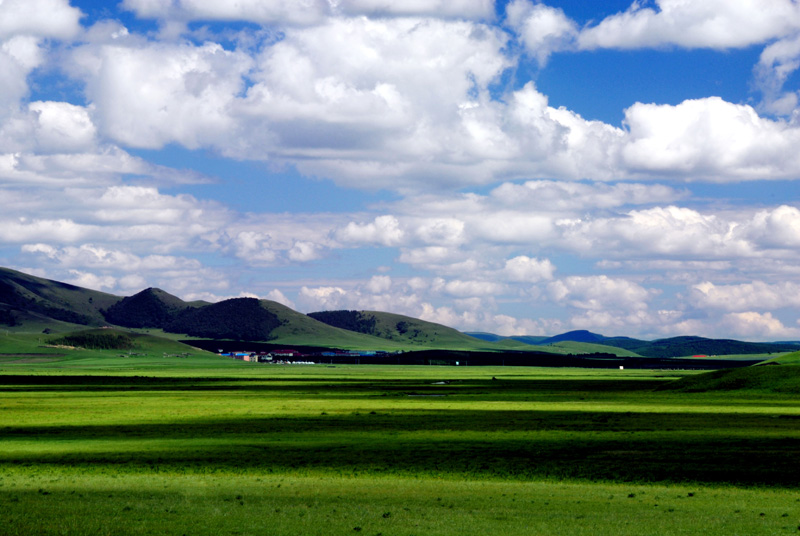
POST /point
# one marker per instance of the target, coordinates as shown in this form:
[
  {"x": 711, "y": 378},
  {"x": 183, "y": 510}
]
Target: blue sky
[{"x": 516, "y": 167}]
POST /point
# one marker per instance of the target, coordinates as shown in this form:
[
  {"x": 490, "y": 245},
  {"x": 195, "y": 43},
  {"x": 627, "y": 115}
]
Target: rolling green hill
[
  {"x": 758, "y": 379},
  {"x": 576, "y": 348},
  {"x": 150, "y": 308},
  {"x": 30, "y": 304},
  {"x": 405, "y": 330},
  {"x": 687, "y": 346},
  {"x": 25, "y": 299}
]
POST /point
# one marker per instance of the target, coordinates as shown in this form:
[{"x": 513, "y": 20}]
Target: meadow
[{"x": 154, "y": 443}]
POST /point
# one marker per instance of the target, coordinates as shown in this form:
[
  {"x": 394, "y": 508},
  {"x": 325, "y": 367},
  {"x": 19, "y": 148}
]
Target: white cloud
[
  {"x": 384, "y": 230},
  {"x": 19, "y": 55},
  {"x": 92, "y": 281},
  {"x": 527, "y": 270},
  {"x": 405, "y": 104},
  {"x": 305, "y": 12},
  {"x": 98, "y": 257},
  {"x": 777, "y": 62},
  {"x": 778, "y": 227},
  {"x": 745, "y": 296},
  {"x": 467, "y": 9},
  {"x": 554, "y": 196},
  {"x": 465, "y": 289},
  {"x": 431, "y": 255},
  {"x": 754, "y": 325},
  {"x": 304, "y": 251},
  {"x": 717, "y": 24},
  {"x": 36, "y": 230},
  {"x": 260, "y": 11},
  {"x": 379, "y": 283},
  {"x": 39, "y": 18},
  {"x": 542, "y": 29},
  {"x": 62, "y": 127},
  {"x": 150, "y": 94},
  {"x": 254, "y": 246},
  {"x": 600, "y": 293},
  {"x": 710, "y": 139},
  {"x": 278, "y": 296},
  {"x": 667, "y": 231},
  {"x": 441, "y": 231},
  {"x": 322, "y": 298}
]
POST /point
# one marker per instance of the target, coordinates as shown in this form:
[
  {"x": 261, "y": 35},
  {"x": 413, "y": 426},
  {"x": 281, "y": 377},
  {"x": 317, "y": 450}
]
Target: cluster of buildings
[{"x": 295, "y": 357}]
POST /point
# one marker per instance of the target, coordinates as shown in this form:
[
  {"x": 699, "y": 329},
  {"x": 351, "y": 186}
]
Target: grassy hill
[
  {"x": 576, "y": 348},
  {"x": 409, "y": 332},
  {"x": 792, "y": 358},
  {"x": 688, "y": 346},
  {"x": 758, "y": 379},
  {"x": 141, "y": 352},
  {"x": 150, "y": 308},
  {"x": 25, "y": 299}
]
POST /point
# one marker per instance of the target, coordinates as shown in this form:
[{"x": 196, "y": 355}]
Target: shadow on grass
[
  {"x": 333, "y": 387},
  {"x": 519, "y": 445}
]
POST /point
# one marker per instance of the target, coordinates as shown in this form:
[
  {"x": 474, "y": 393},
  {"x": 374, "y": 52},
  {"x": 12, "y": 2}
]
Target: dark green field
[{"x": 203, "y": 445}]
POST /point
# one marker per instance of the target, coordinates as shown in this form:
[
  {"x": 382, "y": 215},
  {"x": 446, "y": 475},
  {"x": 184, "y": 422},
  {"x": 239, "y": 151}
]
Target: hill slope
[
  {"x": 150, "y": 308},
  {"x": 761, "y": 379},
  {"x": 406, "y": 330},
  {"x": 26, "y": 299}
]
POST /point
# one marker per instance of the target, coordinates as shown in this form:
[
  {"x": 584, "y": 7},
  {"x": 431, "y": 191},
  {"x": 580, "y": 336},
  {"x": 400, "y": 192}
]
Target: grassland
[{"x": 164, "y": 443}]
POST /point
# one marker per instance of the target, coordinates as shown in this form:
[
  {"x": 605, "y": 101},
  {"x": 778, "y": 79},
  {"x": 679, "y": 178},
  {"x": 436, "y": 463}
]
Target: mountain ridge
[{"x": 30, "y": 303}]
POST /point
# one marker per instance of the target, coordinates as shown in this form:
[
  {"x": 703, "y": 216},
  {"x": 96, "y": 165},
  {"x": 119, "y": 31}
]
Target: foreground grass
[
  {"x": 104, "y": 447},
  {"x": 67, "y": 502}
]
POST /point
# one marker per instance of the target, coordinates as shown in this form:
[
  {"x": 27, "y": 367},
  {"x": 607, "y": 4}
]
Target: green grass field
[{"x": 99, "y": 442}]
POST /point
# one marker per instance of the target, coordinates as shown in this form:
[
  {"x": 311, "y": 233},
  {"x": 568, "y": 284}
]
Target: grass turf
[{"x": 166, "y": 448}]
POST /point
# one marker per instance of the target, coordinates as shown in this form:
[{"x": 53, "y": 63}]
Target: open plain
[{"x": 103, "y": 443}]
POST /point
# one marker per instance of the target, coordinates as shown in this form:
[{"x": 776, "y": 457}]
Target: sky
[{"x": 514, "y": 167}]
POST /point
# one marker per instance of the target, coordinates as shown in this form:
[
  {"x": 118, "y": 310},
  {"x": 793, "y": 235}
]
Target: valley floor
[{"x": 390, "y": 450}]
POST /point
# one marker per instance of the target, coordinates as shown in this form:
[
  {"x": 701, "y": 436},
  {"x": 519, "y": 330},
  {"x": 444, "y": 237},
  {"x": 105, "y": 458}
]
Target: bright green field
[{"x": 95, "y": 443}]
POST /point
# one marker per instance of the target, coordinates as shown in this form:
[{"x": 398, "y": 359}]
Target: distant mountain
[
  {"x": 482, "y": 335},
  {"x": 398, "y": 328},
  {"x": 580, "y": 335},
  {"x": 662, "y": 348},
  {"x": 491, "y": 337},
  {"x": 687, "y": 346},
  {"x": 29, "y": 303}
]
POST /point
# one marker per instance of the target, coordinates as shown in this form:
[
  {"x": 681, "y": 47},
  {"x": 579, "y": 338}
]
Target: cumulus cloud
[
  {"x": 600, "y": 293},
  {"x": 322, "y": 298},
  {"x": 667, "y": 231},
  {"x": 777, "y": 62},
  {"x": 383, "y": 230},
  {"x": 407, "y": 104},
  {"x": 305, "y": 12},
  {"x": 754, "y": 325},
  {"x": 379, "y": 283},
  {"x": 263, "y": 12},
  {"x": 54, "y": 19},
  {"x": 278, "y": 296},
  {"x": 778, "y": 227},
  {"x": 528, "y": 270},
  {"x": 62, "y": 127},
  {"x": 303, "y": 251},
  {"x": 541, "y": 28},
  {"x": 92, "y": 281},
  {"x": 717, "y": 24},
  {"x": 19, "y": 55},
  {"x": 148, "y": 94},
  {"x": 91, "y": 256},
  {"x": 709, "y": 138},
  {"x": 473, "y": 288},
  {"x": 757, "y": 295}
]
